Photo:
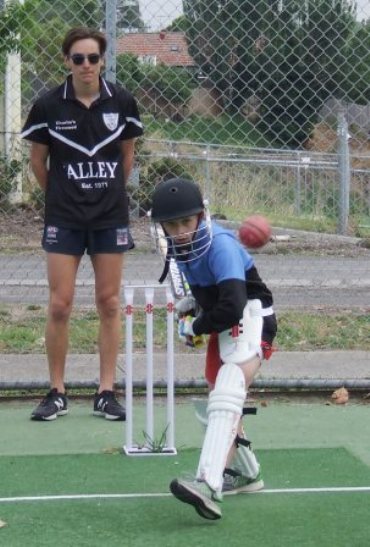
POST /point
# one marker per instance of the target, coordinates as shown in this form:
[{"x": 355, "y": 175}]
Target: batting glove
[
  {"x": 186, "y": 333},
  {"x": 185, "y": 326},
  {"x": 186, "y": 306}
]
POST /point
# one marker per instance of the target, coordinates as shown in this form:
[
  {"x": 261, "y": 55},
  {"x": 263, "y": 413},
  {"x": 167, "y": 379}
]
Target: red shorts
[{"x": 213, "y": 359}]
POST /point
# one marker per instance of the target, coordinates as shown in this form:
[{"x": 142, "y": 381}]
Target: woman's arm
[
  {"x": 128, "y": 152},
  {"x": 39, "y": 158}
]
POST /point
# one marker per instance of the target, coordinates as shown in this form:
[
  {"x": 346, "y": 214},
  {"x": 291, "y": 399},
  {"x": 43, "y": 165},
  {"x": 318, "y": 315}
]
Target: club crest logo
[{"x": 111, "y": 121}]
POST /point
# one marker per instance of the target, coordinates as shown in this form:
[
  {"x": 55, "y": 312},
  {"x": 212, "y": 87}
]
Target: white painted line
[
  {"x": 84, "y": 497},
  {"x": 316, "y": 490},
  {"x": 136, "y": 495}
]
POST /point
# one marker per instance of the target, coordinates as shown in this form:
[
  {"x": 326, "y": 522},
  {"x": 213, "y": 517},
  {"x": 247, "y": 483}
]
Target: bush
[
  {"x": 129, "y": 71},
  {"x": 9, "y": 171},
  {"x": 173, "y": 84},
  {"x": 37, "y": 200},
  {"x": 150, "y": 176}
]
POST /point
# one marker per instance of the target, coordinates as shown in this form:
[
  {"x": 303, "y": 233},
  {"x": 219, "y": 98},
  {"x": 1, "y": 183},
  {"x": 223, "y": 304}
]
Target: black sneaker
[
  {"x": 53, "y": 405},
  {"x": 106, "y": 405}
]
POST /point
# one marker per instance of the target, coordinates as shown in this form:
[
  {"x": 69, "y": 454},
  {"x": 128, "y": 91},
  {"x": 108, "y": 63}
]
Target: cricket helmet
[{"x": 176, "y": 198}]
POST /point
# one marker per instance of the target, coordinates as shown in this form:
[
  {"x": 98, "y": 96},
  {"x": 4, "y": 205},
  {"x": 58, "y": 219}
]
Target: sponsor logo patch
[
  {"x": 110, "y": 120},
  {"x": 122, "y": 236},
  {"x": 51, "y": 235},
  {"x": 51, "y": 232},
  {"x": 65, "y": 125}
]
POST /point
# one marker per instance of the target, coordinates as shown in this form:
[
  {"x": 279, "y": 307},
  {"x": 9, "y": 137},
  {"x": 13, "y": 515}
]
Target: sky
[
  {"x": 363, "y": 9},
  {"x": 158, "y": 14}
]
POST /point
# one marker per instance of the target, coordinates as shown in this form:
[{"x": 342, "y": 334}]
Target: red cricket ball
[{"x": 255, "y": 231}]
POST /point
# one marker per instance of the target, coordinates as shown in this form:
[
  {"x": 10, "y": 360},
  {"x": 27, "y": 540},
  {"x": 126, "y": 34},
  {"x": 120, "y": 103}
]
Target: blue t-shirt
[{"x": 222, "y": 280}]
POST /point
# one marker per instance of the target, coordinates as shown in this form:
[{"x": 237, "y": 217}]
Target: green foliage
[
  {"x": 225, "y": 129},
  {"x": 164, "y": 169},
  {"x": 308, "y": 68},
  {"x": 180, "y": 24},
  {"x": 44, "y": 25},
  {"x": 358, "y": 63},
  {"x": 11, "y": 18},
  {"x": 9, "y": 170},
  {"x": 290, "y": 57},
  {"x": 37, "y": 199},
  {"x": 129, "y": 72},
  {"x": 322, "y": 331},
  {"x": 150, "y": 175},
  {"x": 23, "y": 332},
  {"x": 174, "y": 84},
  {"x": 128, "y": 16},
  {"x": 155, "y": 445}
]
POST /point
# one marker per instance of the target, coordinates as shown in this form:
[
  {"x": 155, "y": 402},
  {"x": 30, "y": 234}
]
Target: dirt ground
[
  {"x": 21, "y": 229},
  {"x": 324, "y": 139}
]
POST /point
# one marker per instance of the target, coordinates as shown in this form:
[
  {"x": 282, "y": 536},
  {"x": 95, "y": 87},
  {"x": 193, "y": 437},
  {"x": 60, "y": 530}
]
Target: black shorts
[
  {"x": 76, "y": 242},
  {"x": 269, "y": 328}
]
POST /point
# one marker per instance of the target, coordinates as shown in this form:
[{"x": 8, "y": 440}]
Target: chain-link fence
[{"x": 265, "y": 103}]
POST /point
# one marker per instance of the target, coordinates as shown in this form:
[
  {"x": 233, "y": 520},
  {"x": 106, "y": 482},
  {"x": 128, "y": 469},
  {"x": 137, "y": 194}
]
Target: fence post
[
  {"x": 208, "y": 176},
  {"x": 344, "y": 172},
  {"x": 298, "y": 191},
  {"x": 110, "y": 31},
  {"x": 12, "y": 115}
]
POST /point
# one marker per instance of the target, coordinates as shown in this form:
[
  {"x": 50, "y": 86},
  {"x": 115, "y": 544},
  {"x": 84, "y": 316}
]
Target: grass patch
[
  {"x": 323, "y": 331},
  {"x": 233, "y": 130},
  {"x": 22, "y": 331}
]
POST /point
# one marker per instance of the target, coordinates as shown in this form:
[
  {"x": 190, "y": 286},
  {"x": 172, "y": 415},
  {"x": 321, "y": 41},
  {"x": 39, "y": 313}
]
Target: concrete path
[{"x": 335, "y": 367}]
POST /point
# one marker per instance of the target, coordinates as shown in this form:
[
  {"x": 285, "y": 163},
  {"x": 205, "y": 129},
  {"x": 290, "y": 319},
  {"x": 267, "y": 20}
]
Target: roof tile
[{"x": 169, "y": 48}]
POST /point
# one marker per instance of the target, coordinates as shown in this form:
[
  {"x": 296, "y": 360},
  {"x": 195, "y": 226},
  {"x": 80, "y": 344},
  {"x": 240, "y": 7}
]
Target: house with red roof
[{"x": 168, "y": 48}]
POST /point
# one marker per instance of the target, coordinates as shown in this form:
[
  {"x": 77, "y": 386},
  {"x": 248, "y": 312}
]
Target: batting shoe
[
  {"x": 199, "y": 495},
  {"x": 107, "y": 406},
  {"x": 52, "y": 406},
  {"x": 236, "y": 483}
]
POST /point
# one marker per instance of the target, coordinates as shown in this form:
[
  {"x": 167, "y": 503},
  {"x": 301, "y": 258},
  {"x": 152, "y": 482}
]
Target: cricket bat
[{"x": 178, "y": 282}]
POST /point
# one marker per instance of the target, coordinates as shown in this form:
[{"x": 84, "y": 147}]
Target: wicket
[{"x": 148, "y": 448}]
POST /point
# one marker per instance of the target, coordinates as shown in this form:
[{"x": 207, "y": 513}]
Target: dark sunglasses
[{"x": 78, "y": 58}]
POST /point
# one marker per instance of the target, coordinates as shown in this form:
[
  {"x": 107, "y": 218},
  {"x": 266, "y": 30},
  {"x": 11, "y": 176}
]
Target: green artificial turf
[{"x": 268, "y": 519}]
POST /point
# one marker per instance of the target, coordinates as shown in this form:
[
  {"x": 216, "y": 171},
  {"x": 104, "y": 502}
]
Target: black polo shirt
[{"x": 86, "y": 187}]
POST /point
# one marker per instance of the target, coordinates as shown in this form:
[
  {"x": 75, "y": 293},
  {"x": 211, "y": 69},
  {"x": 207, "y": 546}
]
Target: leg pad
[{"x": 225, "y": 408}]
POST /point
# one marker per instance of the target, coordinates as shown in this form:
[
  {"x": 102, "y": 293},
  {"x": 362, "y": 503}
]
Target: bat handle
[{"x": 196, "y": 341}]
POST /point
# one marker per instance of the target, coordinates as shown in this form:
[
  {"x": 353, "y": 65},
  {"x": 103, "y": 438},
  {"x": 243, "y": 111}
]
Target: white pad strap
[
  {"x": 243, "y": 342},
  {"x": 225, "y": 406},
  {"x": 245, "y": 462}
]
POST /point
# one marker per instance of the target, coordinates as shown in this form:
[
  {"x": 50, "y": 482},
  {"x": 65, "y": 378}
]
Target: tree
[
  {"x": 180, "y": 24},
  {"x": 310, "y": 68},
  {"x": 289, "y": 56},
  {"x": 129, "y": 71},
  {"x": 358, "y": 63},
  {"x": 128, "y": 16},
  {"x": 174, "y": 84},
  {"x": 224, "y": 37},
  {"x": 11, "y": 17},
  {"x": 44, "y": 25}
]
